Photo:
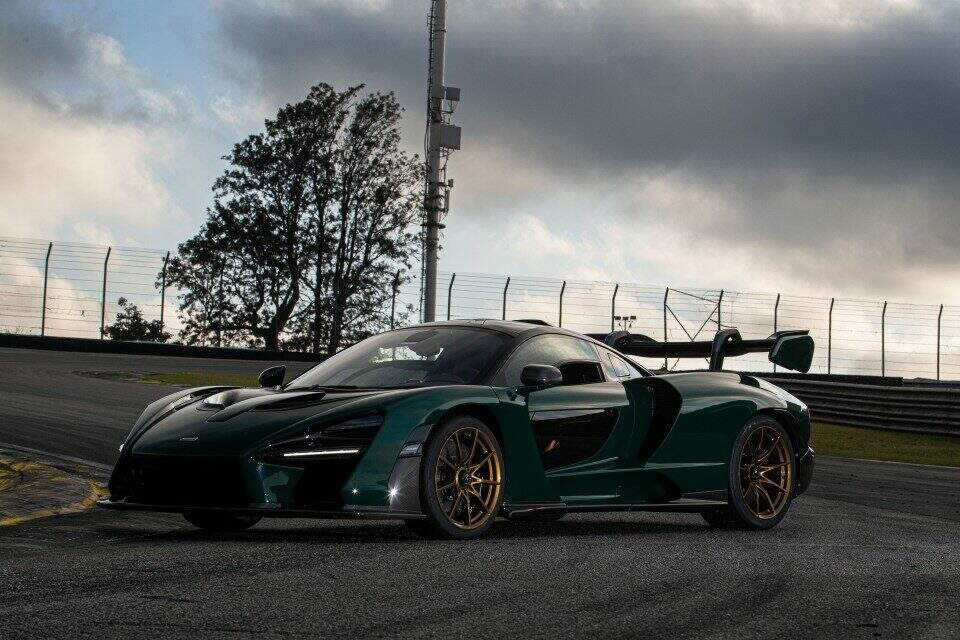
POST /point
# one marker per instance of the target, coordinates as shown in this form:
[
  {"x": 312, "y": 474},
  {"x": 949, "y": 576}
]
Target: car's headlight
[{"x": 344, "y": 439}]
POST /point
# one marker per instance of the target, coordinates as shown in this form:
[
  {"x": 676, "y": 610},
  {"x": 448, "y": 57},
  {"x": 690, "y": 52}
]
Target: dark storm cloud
[
  {"x": 32, "y": 46},
  {"x": 812, "y": 130}
]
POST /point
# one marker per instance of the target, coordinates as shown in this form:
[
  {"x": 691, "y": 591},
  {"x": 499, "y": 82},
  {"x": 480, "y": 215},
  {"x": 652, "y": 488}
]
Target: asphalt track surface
[{"x": 872, "y": 550}]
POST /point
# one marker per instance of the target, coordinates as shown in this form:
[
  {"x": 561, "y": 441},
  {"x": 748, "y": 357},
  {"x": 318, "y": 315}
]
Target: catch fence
[{"x": 71, "y": 289}]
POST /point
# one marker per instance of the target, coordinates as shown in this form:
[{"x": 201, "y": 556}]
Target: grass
[
  {"x": 896, "y": 446},
  {"x": 201, "y": 379}
]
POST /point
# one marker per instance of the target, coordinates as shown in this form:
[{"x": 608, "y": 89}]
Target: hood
[{"x": 233, "y": 421}]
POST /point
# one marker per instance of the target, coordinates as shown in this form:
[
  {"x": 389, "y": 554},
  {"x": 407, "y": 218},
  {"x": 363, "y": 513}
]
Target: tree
[
  {"x": 309, "y": 222},
  {"x": 200, "y": 270},
  {"x": 130, "y": 325}
]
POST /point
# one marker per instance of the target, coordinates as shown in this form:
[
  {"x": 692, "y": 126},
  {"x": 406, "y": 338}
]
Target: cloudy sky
[{"x": 806, "y": 147}]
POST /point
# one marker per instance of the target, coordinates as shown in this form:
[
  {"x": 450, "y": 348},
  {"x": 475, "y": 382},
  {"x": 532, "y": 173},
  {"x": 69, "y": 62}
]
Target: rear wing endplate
[{"x": 789, "y": 349}]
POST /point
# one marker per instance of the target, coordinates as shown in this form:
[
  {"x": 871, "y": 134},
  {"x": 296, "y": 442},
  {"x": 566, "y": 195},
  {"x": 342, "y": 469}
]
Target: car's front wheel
[
  {"x": 461, "y": 480},
  {"x": 220, "y": 521},
  {"x": 762, "y": 477}
]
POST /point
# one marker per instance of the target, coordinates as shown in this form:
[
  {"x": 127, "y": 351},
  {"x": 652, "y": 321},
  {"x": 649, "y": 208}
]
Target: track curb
[{"x": 32, "y": 487}]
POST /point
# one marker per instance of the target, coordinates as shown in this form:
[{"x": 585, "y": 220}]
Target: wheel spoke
[
  {"x": 483, "y": 461},
  {"x": 480, "y": 502},
  {"x": 456, "y": 445},
  {"x": 453, "y": 507},
  {"x": 763, "y": 492},
  {"x": 473, "y": 446},
  {"x": 773, "y": 447},
  {"x": 466, "y": 508},
  {"x": 768, "y": 468},
  {"x": 768, "y": 481}
]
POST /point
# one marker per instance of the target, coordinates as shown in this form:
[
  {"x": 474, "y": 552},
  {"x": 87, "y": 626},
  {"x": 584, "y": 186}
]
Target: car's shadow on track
[{"x": 380, "y": 532}]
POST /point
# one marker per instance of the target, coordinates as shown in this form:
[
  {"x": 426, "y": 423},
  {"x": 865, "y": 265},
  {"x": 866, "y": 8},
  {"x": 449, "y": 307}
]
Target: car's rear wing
[{"x": 789, "y": 349}]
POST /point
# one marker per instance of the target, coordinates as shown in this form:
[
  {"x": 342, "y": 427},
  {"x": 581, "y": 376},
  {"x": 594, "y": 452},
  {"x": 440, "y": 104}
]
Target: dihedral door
[{"x": 574, "y": 427}]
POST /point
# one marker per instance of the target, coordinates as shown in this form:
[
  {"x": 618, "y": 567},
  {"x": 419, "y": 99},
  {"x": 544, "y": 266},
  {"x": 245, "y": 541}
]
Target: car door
[{"x": 581, "y": 426}]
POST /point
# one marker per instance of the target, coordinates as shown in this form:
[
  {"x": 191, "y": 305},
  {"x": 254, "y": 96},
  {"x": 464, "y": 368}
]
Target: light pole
[{"x": 442, "y": 138}]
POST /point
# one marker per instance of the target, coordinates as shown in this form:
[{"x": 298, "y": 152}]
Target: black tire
[
  {"x": 439, "y": 523},
  {"x": 758, "y": 501},
  {"x": 220, "y": 521}
]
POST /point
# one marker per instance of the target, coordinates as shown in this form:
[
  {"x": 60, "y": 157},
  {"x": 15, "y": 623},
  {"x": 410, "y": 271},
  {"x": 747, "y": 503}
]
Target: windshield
[{"x": 423, "y": 356}]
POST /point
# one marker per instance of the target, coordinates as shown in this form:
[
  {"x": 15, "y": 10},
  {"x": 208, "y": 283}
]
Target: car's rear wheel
[
  {"x": 461, "y": 481},
  {"x": 762, "y": 477},
  {"x": 220, "y": 521}
]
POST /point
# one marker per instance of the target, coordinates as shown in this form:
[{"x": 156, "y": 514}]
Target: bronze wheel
[
  {"x": 762, "y": 477},
  {"x": 461, "y": 475},
  {"x": 766, "y": 472},
  {"x": 468, "y": 478}
]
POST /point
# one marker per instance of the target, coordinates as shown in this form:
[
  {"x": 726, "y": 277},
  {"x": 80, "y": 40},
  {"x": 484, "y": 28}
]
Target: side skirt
[{"x": 683, "y": 505}]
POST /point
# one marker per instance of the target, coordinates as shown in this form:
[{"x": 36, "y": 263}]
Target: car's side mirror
[
  {"x": 540, "y": 376},
  {"x": 272, "y": 377}
]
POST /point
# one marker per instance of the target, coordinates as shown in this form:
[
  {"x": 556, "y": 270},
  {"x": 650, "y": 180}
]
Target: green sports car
[{"x": 449, "y": 425}]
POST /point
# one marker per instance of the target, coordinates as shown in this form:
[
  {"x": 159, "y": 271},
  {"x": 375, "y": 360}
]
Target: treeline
[{"x": 309, "y": 231}]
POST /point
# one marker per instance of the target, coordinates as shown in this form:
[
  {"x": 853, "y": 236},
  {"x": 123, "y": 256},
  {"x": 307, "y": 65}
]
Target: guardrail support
[
  {"x": 666, "y": 295},
  {"x": 883, "y": 340},
  {"x": 939, "y": 318},
  {"x": 163, "y": 287},
  {"x": 505, "y": 288},
  {"x": 613, "y": 306},
  {"x": 46, "y": 273},
  {"x": 776, "y": 309},
  {"x": 103, "y": 297},
  {"x": 830, "y": 336},
  {"x": 450, "y": 293},
  {"x": 563, "y": 288}
]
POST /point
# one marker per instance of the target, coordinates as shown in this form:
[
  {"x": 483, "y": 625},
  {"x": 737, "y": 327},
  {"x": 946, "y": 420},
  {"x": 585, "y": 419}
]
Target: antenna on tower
[{"x": 442, "y": 138}]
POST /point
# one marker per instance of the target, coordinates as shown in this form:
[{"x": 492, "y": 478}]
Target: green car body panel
[{"x": 667, "y": 441}]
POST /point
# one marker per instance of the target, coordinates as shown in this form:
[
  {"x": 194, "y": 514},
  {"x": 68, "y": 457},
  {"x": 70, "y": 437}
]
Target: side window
[
  {"x": 577, "y": 360},
  {"x": 617, "y": 367}
]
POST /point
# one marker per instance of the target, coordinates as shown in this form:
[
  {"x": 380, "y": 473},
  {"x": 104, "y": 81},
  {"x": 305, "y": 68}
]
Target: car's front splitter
[{"x": 268, "y": 511}]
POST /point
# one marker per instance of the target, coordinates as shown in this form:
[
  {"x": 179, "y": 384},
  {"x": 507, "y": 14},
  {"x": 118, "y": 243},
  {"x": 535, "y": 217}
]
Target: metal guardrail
[{"x": 922, "y": 407}]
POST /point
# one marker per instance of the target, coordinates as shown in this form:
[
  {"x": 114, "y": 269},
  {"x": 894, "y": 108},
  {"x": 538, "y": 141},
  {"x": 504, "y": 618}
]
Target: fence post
[
  {"x": 719, "y": 307},
  {"x": 450, "y": 294},
  {"x": 393, "y": 299},
  {"x": 776, "y": 309},
  {"x": 46, "y": 272},
  {"x": 163, "y": 287},
  {"x": 103, "y": 298},
  {"x": 505, "y": 287},
  {"x": 563, "y": 288},
  {"x": 613, "y": 305},
  {"x": 883, "y": 340},
  {"x": 939, "y": 317},
  {"x": 830, "y": 336},
  {"x": 666, "y": 294}
]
